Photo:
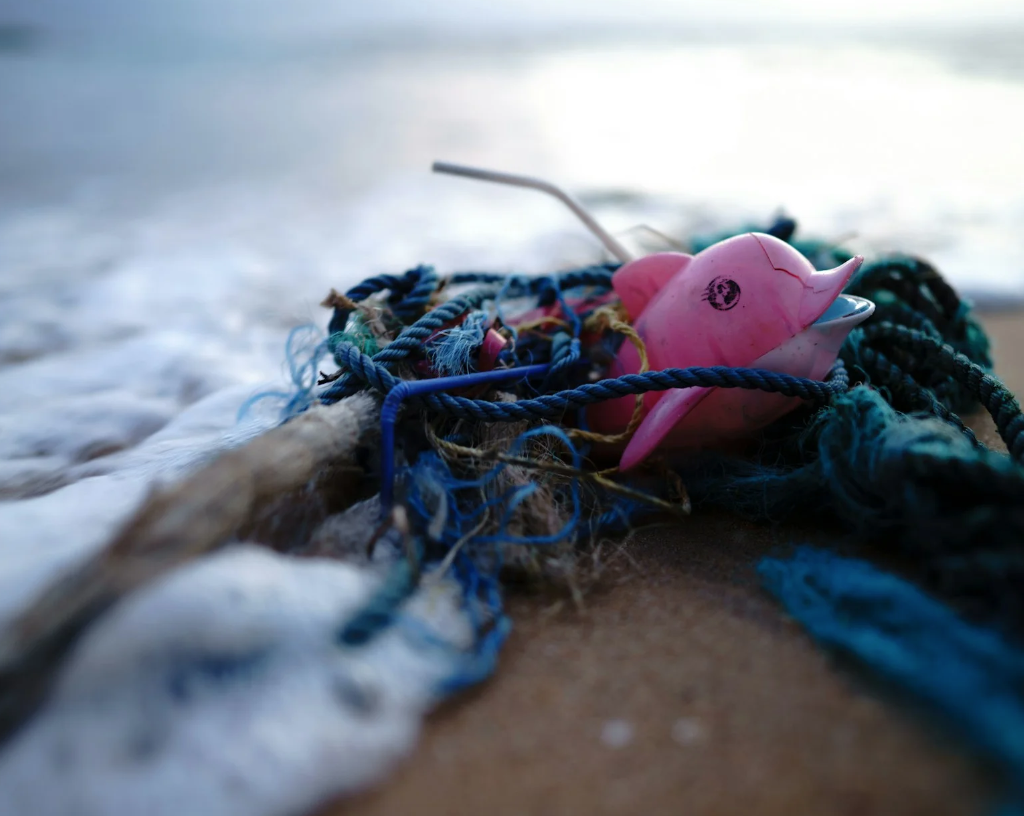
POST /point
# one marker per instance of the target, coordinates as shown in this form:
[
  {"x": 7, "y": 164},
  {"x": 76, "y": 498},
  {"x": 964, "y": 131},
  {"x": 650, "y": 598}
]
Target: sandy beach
[
  {"x": 183, "y": 183},
  {"x": 682, "y": 687}
]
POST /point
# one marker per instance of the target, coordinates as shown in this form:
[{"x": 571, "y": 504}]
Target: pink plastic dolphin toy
[{"x": 752, "y": 301}]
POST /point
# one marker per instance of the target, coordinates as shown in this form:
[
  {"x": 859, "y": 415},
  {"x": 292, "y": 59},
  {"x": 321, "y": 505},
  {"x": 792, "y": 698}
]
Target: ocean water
[{"x": 178, "y": 192}]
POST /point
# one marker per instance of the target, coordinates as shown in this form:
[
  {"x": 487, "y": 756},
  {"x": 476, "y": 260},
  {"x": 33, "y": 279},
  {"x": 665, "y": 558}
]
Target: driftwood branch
[{"x": 175, "y": 524}]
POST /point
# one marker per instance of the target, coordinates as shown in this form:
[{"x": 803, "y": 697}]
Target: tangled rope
[
  {"x": 376, "y": 372},
  {"x": 549, "y": 406},
  {"x": 859, "y": 450}
]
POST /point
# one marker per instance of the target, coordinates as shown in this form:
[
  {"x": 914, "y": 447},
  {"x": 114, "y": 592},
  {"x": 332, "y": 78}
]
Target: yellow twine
[
  {"x": 613, "y": 317},
  {"x": 556, "y": 468}
]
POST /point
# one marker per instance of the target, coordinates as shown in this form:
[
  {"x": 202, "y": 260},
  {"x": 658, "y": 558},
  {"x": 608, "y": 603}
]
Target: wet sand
[{"x": 682, "y": 688}]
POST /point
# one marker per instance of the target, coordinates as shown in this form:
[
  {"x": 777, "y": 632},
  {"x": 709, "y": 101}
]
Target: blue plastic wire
[{"x": 410, "y": 388}]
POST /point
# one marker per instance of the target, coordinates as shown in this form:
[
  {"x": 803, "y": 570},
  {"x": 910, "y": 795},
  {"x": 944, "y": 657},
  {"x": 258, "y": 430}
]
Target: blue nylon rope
[{"x": 361, "y": 368}]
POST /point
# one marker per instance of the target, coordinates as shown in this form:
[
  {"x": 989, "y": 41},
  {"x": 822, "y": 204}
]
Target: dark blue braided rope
[
  {"x": 409, "y": 292},
  {"x": 365, "y": 369},
  {"x": 408, "y": 343},
  {"x": 598, "y": 277}
]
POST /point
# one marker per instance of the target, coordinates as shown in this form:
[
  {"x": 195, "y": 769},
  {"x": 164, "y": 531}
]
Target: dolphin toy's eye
[{"x": 722, "y": 293}]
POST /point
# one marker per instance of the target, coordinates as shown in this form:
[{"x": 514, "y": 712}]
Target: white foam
[
  {"x": 49, "y": 533},
  {"x": 223, "y": 690},
  {"x": 132, "y": 374}
]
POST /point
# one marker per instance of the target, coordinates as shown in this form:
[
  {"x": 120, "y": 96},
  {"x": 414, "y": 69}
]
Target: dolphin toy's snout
[{"x": 751, "y": 301}]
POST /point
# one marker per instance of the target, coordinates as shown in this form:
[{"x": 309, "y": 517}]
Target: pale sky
[{"x": 303, "y": 13}]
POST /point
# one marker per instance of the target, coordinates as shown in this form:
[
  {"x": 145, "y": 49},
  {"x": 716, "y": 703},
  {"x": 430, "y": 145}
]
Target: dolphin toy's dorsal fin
[{"x": 638, "y": 282}]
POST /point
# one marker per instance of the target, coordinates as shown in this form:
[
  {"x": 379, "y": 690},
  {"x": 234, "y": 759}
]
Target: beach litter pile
[{"x": 450, "y": 431}]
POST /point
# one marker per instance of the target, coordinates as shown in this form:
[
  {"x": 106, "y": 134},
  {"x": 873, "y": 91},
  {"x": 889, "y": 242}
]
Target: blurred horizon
[{"x": 894, "y": 120}]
